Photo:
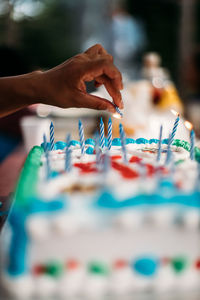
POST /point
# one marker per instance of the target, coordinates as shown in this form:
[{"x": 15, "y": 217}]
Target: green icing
[
  {"x": 54, "y": 269},
  {"x": 179, "y": 264},
  {"x": 26, "y": 187},
  {"x": 98, "y": 268}
]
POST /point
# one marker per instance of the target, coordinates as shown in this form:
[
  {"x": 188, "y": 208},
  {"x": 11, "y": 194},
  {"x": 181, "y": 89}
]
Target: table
[{"x": 9, "y": 172}]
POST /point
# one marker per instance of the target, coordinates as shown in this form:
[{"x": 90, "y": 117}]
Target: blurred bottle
[{"x": 164, "y": 92}]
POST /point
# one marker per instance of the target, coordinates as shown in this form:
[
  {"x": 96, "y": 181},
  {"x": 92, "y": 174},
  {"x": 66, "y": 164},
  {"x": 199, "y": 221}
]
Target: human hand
[{"x": 64, "y": 85}]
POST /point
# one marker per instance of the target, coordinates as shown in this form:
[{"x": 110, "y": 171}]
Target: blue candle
[
  {"x": 68, "y": 163},
  {"x": 109, "y": 133},
  {"x": 192, "y": 143},
  {"x": 160, "y": 144},
  {"x": 122, "y": 137},
  {"x": 175, "y": 128},
  {"x": 51, "y": 136},
  {"x": 46, "y": 151},
  {"x": 106, "y": 162},
  {"x": 168, "y": 157},
  {"x": 102, "y": 135},
  {"x": 97, "y": 149},
  {"x": 118, "y": 111},
  {"x": 82, "y": 138}
]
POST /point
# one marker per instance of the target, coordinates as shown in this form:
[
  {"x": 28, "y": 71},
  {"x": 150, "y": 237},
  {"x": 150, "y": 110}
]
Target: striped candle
[
  {"x": 46, "y": 151},
  {"x": 68, "y": 162},
  {"x": 97, "y": 149},
  {"x": 118, "y": 111},
  {"x": 159, "y": 144},
  {"x": 175, "y": 128},
  {"x": 82, "y": 138},
  {"x": 192, "y": 143},
  {"x": 102, "y": 135},
  {"x": 51, "y": 136},
  {"x": 109, "y": 133},
  {"x": 168, "y": 157},
  {"x": 123, "y": 140},
  {"x": 106, "y": 166}
]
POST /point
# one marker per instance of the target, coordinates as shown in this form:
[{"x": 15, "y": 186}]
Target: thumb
[{"x": 95, "y": 102}]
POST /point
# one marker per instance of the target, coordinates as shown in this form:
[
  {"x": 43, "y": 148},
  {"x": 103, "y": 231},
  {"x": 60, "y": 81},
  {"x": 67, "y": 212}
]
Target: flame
[
  {"x": 188, "y": 125},
  {"x": 175, "y": 113},
  {"x": 117, "y": 116}
]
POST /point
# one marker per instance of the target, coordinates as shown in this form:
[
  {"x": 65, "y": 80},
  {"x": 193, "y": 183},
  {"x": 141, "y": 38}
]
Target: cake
[{"x": 85, "y": 222}]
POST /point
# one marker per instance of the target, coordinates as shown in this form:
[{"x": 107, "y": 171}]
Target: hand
[{"x": 64, "y": 85}]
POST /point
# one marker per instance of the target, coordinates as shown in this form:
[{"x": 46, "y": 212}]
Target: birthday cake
[{"x": 104, "y": 217}]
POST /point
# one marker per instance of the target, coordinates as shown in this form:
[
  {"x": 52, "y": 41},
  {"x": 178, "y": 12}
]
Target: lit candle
[
  {"x": 160, "y": 144},
  {"x": 175, "y": 125},
  {"x": 123, "y": 141},
  {"x": 51, "y": 136},
  {"x": 46, "y": 151},
  {"x": 102, "y": 136},
  {"x": 82, "y": 138},
  {"x": 189, "y": 126},
  {"x": 109, "y": 133},
  {"x": 119, "y": 113},
  {"x": 68, "y": 163}
]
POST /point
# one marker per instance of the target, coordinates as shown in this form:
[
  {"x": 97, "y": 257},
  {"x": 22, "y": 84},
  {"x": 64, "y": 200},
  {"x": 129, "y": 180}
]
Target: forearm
[{"x": 18, "y": 92}]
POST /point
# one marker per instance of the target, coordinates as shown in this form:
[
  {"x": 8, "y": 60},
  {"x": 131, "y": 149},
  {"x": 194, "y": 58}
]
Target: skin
[{"x": 64, "y": 85}]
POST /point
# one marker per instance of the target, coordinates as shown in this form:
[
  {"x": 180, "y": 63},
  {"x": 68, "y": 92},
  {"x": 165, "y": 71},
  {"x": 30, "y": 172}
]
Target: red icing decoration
[
  {"x": 115, "y": 157},
  {"x": 38, "y": 270},
  {"x": 197, "y": 264},
  {"x": 120, "y": 264},
  {"x": 72, "y": 264},
  {"x": 135, "y": 159},
  {"x": 125, "y": 171},
  {"x": 165, "y": 260},
  {"x": 86, "y": 167}
]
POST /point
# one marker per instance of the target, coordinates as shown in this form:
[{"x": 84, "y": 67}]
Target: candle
[
  {"x": 175, "y": 125},
  {"x": 123, "y": 140},
  {"x": 118, "y": 114},
  {"x": 160, "y": 144},
  {"x": 102, "y": 137},
  {"x": 109, "y": 133},
  {"x": 189, "y": 126},
  {"x": 106, "y": 162},
  {"x": 82, "y": 138},
  {"x": 68, "y": 164},
  {"x": 46, "y": 151},
  {"x": 51, "y": 136},
  {"x": 97, "y": 149},
  {"x": 168, "y": 157}
]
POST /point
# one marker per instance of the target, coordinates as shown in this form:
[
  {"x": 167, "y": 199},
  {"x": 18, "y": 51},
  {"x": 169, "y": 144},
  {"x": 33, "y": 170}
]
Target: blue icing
[
  {"x": 90, "y": 142},
  {"x": 90, "y": 150},
  {"x": 108, "y": 201},
  {"x": 106, "y": 142},
  {"x": 142, "y": 141},
  {"x": 130, "y": 141},
  {"x": 18, "y": 263},
  {"x": 74, "y": 143},
  {"x": 116, "y": 142},
  {"x": 146, "y": 266},
  {"x": 19, "y": 242},
  {"x": 60, "y": 145},
  {"x": 48, "y": 146},
  {"x": 165, "y": 141},
  {"x": 54, "y": 174},
  {"x": 151, "y": 141}
]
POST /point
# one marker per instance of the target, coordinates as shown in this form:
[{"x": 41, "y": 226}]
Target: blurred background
[{"x": 155, "y": 43}]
